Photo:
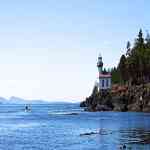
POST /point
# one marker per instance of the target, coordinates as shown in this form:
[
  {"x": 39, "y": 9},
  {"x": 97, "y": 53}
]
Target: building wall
[{"x": 104, "y": 83}]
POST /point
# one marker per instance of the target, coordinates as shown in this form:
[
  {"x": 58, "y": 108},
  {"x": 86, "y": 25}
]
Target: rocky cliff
[{"x": 120, "y": 98}]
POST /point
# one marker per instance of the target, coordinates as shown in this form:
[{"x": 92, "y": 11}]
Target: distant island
[
  {"x": 17, "y": 100},
  {"x": 130, "y": 85}
]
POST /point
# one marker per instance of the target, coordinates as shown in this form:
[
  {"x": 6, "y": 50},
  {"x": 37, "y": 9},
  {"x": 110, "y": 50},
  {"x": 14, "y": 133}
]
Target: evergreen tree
[
  {"x": 115, "y": 76},
  {"x": 122, "y": 68},
  {"x": 128, "y": 47},
  {"x": 139, "y": 43},
  {"x": 134, "y": 68},
  {"x": 147, "y": 39}
]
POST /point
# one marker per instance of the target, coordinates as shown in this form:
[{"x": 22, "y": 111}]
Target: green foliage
[
  {"x": 116, "y": 77},
  {"x": 128, "y": 49},
  {"x": 134, "y": 68},
  {"x": 147, "y": 39},
  {"x": 136, "y": 61},
  {"x": 122, "y": 68}
]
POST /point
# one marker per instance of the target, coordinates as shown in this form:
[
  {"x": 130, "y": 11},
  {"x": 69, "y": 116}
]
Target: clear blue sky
[{"x": 49, "y": 48}]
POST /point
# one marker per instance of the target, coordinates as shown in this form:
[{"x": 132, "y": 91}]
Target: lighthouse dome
[
  {"x": 100, "y": 56},
  {"x": 100, "y": 62}
]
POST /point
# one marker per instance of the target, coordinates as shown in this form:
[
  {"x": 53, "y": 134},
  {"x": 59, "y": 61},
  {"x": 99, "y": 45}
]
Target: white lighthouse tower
[{"x": 104, "y": 79}]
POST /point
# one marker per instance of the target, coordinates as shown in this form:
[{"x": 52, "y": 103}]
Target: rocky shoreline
[{"x": 120, "y": 98}]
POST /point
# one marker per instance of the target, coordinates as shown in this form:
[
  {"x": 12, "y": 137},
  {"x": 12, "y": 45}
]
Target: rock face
[{"x": 120, "y": 98}]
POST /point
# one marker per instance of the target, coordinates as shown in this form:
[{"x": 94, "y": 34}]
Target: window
[
  {"x": 107, "y": 82},
  {"x": 103, "y": 83}
]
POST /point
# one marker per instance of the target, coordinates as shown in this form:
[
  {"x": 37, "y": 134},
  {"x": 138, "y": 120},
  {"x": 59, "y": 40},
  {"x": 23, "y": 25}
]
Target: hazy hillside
[{"x": 17, "y": 100}]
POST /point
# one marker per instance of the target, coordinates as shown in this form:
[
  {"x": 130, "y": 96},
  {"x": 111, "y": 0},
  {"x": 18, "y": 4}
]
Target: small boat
[{"x": 27, "y": 108}]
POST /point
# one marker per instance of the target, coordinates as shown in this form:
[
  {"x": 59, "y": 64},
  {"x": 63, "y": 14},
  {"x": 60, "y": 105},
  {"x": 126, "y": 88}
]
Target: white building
[{"x": 104, "y": 79}]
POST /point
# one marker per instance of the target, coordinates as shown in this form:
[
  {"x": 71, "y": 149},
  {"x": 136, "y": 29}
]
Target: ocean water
[{"x": 64, "y": 126}]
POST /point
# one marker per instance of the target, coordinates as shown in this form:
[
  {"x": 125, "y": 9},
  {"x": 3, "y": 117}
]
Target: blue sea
[{"x": 65, "y": 126}]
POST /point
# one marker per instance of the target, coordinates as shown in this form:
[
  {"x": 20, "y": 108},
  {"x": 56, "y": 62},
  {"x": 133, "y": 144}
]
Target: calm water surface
[{"x": 50, "y": 127}]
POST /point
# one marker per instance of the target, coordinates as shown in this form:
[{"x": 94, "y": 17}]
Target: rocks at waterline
[{"x": 120, "y": 98}]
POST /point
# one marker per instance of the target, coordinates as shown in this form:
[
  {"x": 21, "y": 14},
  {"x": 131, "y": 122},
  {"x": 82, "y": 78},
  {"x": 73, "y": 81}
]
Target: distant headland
[
  {"x": 127, "y": 86},
  {"x": 18, "y": 100}
]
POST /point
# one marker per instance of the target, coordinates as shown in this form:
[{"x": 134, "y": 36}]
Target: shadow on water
[
  {"x": 134, "y": 136},
  {"x": 122, "y": 129},
  {"x": 130, "y": 139}
]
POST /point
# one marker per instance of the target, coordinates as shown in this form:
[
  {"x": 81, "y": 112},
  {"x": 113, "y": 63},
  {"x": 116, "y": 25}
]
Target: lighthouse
[
  {"x": 104, "y": 78},
  {"x": 100, "y": 64}
]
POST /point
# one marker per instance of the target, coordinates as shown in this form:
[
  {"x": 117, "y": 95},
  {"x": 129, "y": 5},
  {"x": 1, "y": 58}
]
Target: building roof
[{"x": 104, "y": 75}]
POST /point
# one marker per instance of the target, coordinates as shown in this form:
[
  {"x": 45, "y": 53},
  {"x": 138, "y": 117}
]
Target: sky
[{"x": 49, "y": 48}]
